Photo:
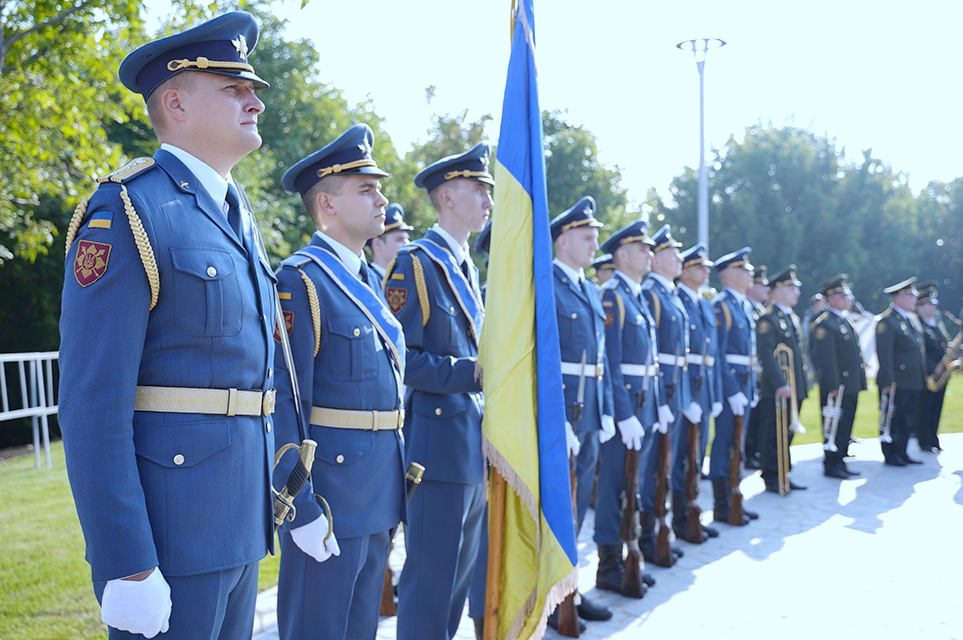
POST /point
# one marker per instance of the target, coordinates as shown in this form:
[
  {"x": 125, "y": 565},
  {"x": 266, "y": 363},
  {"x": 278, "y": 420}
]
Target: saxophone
[{"x": 952, "y": 361}]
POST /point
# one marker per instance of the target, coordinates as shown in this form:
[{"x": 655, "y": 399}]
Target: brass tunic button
[
  {"x": 628, "y": 386},
  {"x": 902, "y": 367},
  {"x": 340, "y": 458},
  {"x": 178, "y": 459},
  {"x": 357, "y": 332},
  {"x": 574, "y": 316},
  {"x": 211, "y": 271},
  {"x": 673, "y": 318},
  {"x": 438, "y": 411},
  {"x": 451, "y": 309},
  {"x": 845, "y": 374},
  {"x": 270, "y": 372},
  {"x": 563, "y": 386}
]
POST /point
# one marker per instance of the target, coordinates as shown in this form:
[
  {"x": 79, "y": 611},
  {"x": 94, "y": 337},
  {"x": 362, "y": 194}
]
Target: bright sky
[{"x": 880, "y": 74}]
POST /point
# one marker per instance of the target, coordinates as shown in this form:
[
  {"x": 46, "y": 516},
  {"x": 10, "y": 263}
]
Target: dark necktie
[
  {"x": 233, "y": 209},
  {"x": 365, "y": 273}
]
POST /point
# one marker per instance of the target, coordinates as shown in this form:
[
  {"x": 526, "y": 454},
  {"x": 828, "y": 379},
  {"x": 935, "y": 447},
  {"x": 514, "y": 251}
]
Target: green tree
[{"x": 573, "y": 170}]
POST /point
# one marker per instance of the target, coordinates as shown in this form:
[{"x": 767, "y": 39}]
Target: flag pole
[{"x": 496, "y": 526}]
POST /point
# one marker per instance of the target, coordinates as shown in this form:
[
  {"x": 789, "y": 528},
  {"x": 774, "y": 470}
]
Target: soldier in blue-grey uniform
[
  {"x": 675, "y": 398},
  {"x": 704, "y": 379},
  {"x": 631, "y": 349},
  {"x": 604, "y": 267},
  {"x": 349, "y": 354},
  {"x": 433, "y": 290},
  {"x": 385, "y": 247},
  {"x": 581, "y": 330},
  {"x": 167, "y": 357},
  {"x": 736, "y": 332}
]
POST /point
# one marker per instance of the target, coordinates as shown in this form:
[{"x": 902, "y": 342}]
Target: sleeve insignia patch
[
  {"x": 288, "y": 324},
  {"x": 397, "y": 297},
  {"x": 764, "y": 328},
  {"x": 820, "y": 333},
  {"x": 609, "y": 319},
  {"x": 91, "y": 262},
  {"x": 880, "y": 327}
]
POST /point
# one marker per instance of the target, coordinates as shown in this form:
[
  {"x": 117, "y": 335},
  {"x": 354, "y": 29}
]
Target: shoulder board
[
  {"x": 822, "y": 317},
  {"x": 769, "y": 310},
  {"x": 648, "y": 284},
  {"x": 611, "y": 283},
  {"x": 887, "y": 313},
  {"x": 295, "y": 261},
  {"x": 129, "y": 171}
]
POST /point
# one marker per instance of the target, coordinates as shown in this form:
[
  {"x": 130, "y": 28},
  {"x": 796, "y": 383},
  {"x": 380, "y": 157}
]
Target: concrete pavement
[{"x": 876, "y": 557}]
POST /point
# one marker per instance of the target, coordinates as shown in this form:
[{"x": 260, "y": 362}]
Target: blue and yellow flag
[{"x": 524, "y": 407}]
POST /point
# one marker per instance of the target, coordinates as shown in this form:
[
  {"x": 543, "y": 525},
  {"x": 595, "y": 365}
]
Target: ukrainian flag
[{"x": 524, "y": 407}]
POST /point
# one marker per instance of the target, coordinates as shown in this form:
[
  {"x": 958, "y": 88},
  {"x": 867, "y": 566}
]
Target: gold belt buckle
[{"x": 267, "y": 402}]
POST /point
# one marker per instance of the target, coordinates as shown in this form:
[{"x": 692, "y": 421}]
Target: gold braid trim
[
  {"x": 656, "y": 308},
  {"x": 75, "y": 221},
  {"x": 388, "y": 272},
  {"x": 143, "y": 247},
  {"x": 204, "y": 63},
  {"x": 315, "y": 309},
  {"x": 338, "y": 168},
  {"x": 467, "y": 174},
  {"x": 621, "y": 305},
  {"x": 422, "y": 290}
]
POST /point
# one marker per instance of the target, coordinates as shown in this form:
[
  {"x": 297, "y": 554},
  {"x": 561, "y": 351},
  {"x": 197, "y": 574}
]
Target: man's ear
[{"x": 174, "y": 108}]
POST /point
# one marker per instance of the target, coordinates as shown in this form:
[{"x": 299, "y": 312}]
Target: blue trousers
[
  {"x": 210, "y": 606},
  {"x": 722, "y": 444},
  {"x": 337, "y": 598},
  {"x": 585, "y": 465},
  {"x": 441, "y": 539}
]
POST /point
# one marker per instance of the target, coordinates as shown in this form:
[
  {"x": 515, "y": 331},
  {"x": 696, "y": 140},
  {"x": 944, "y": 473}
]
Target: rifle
[
  {"x": 388, "y": 605},
  {"x": 693, "y": 523},
  {"x": 567, "y": 612},
  {"x": 663, "y": 551},
  {"x": 630, "y": 528},
  {"x": 736, "y": 516}
]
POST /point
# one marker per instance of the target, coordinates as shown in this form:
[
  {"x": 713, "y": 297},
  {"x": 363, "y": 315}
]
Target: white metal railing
[{"x": 37, "y": 394}]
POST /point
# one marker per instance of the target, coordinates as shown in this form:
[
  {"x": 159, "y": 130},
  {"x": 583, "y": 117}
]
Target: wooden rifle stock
[
  {"x": 567, "y": 613},
  {"x": 736, "y": 516},
  {"x": 663, "y": 551},
  {"x": 629, "y": 528},
  {"x": 693, "y": 523}
]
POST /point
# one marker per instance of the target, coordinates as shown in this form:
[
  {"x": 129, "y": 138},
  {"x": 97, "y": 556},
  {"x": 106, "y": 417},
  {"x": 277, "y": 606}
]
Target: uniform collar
[
  {"x": 634, "y": 286},
  {"x": 211, "y": 180},
  {"x": 668, "y": 284},
  {"x": 351, "y": 261},
  {"x": 782, "y": 308},
  {"x": 905, "y": 314},
  {"x": 693, "y": 295},
  {"x": 460, "y": 252},
  {"x": 377, "y": 268},
  {"x": 574, "y": 276},
  {"x": 740, "y": 297}
]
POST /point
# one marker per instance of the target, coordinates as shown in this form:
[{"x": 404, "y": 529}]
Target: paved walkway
[{"x": 877, "y": 557}]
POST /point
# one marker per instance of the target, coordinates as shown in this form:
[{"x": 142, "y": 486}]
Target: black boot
[
  {"x": 720, "y": 496},
  {"x": 680, "y": 512},
  {"x": 647, "y": 537},
  {"x": 609, "y": 575}
]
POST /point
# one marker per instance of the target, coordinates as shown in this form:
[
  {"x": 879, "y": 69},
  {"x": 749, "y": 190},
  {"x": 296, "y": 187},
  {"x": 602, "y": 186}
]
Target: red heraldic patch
[
  {"x": 609, "y": 319},
  {"x": 288, "y": 324},
  {"x": 91, "y": 262},
  {"x": 397, "y": 298}
]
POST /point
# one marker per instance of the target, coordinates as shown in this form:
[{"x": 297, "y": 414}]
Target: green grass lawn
[{"x": 45, "y": 591}]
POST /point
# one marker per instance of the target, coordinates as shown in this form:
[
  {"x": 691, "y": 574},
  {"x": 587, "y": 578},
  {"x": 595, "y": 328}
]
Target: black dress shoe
[
  {"x": 752, "y": 463},
  {"x": 895, "y": 462},
  {"x": 836, "y": 472},
  {"x": 589, "y": 610},
  {"x": 677, "y": 551},
  {"x": 479, "y": 628},
  {"x": 710, "y": 531},
  {"x": 553, "y": 622},
  {"x": 796, "y": 487},
  {"x": 851, "y": 473},
  {"x": 752, "y": 515},
  {"x": 909, "y": 460},
  {"x": 648, "y": 579}
]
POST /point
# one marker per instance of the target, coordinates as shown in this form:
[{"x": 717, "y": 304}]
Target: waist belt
[
  {"x": 639, "y": 370},
  {"x": 574, "y": 369},
  {"x": 218, "y": 402},
  {"x": 696, "y": 358},
  {"x": 672, "y": 360},
  {"x": 361, "y": 420},
  {"x": 745, "y": 361}
]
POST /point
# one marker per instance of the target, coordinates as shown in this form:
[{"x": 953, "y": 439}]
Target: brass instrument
[
  {"x": 832, "y": 412},
  {"x": 952, "y": 362},
  {"x": 786, "y": 414},
  {"x": 887, "y": 406}
]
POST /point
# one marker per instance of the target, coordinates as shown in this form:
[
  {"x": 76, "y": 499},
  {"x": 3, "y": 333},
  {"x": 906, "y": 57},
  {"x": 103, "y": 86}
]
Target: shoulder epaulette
[
  {"x": 129, "y": 171},
  {"x": 887, "y": 313},
  {"x": 295, "y": 261},
  {"x": 821, "y": 317},
  {"x": 120, "y": 176}
]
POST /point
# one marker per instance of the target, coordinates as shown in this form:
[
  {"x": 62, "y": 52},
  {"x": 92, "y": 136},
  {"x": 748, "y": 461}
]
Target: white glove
[
  {"x": 571, "y": 440},
  {"x": 608, "y": 429},
  {"x": 665, "y": 418},
  {"x": 716, "y": 409},
  {"x": 755, "y": 400},
  {"x": 310, "y": 539},
  {"x": 632, "y": 433},
  {"x": 693, "y": 413},
  {"x": 738, "y": 403},
  {"x": 138, "y": 606}
]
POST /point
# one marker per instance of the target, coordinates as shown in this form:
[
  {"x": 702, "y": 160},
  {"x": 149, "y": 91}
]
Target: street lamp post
[{"x": 699, "y": 48}]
